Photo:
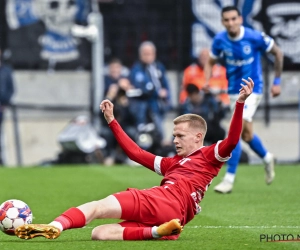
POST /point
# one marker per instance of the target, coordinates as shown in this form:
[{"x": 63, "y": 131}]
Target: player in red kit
[{"x": 159, "y": 212}]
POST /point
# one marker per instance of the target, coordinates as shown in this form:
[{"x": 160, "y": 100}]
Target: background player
[
  {"x": 176, "y": 201},
  {"x": 241, "y": 48}
]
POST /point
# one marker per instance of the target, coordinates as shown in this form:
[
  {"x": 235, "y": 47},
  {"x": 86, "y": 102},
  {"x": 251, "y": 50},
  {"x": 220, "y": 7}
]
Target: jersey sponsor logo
[
  {"x": 240, "y": 63},
  {"x": 184, "y": 160}
]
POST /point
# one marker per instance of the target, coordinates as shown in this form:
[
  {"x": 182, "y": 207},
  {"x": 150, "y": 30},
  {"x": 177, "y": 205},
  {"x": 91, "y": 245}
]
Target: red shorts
[{"x": 150, "y": 207}]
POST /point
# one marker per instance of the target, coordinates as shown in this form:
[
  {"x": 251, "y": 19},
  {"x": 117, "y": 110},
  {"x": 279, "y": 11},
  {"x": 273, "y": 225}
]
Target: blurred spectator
[
  {"x": 6, "y": 92},
  {"x": 114, "y": 71},
  {"x": 195, "y": 74},
  {"x": 117, "y": 94},
  {"x": 152, "y": 94},
  {"x": 205, "y": 104}
]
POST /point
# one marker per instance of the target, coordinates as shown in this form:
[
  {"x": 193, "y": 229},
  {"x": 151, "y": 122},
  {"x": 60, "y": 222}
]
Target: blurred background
[{"x": 63, "y": 56}]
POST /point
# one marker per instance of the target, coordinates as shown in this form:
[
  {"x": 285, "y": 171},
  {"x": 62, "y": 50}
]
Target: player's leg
[
  {"x": 257, "y": 146},
  {"x": 253, "y": 140},
  {"x": 226, "y": 185},
  {"x": 78, "y": 217},
  {"x": 130, "y": 230},
  {"x": 138, "y": 207},
  {"x": 75, "y": 217},
  {"x": 110, "y": 207}
]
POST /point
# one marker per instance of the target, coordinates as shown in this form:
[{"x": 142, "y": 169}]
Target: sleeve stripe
[
  {"x": 157, "y": 162},
  {"x": 218, "y": 157},
  {"x": 270, "y": 45}
]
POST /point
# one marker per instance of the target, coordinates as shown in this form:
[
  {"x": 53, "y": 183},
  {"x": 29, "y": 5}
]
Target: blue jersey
[{"x": 242, "y": 57}]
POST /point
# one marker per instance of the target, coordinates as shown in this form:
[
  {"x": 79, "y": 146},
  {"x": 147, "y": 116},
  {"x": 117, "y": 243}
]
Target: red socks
[
  {"x": 137, "y": 233},
  {"x": 72, "y": 218}
]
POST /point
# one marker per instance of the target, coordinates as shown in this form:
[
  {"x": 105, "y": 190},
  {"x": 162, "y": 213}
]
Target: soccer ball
[{"x": 14, "y": 213}]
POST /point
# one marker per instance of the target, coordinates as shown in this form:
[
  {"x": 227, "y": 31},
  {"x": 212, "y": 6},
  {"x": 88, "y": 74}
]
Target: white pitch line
[{"x": 245, "y": 227}]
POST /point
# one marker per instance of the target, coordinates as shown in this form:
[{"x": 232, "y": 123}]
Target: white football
[{"x": 14, "y": 213}]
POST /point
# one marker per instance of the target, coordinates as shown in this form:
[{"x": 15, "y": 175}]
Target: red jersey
[
  {"x": 192, "y": 174},
  {"x": 187, "y": 177}
]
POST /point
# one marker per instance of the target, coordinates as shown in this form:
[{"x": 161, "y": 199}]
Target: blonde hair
[{"x": 194, "y": 121}]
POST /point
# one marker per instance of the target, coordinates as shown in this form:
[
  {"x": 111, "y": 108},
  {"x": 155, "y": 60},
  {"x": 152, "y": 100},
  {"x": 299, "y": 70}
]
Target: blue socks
[
  {"x": 257, "y": 146},
  {"x": 233, "y": 162}
]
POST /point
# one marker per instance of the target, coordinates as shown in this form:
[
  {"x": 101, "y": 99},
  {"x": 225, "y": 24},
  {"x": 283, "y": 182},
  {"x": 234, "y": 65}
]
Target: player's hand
[
  {"x": 275, "y": 90},
  {"x": 107, "y": 109},
  {"x": 246, "y": 89}
]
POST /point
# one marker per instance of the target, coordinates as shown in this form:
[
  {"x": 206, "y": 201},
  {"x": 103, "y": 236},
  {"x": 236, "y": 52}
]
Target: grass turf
[{"x": 233, "y": 221}]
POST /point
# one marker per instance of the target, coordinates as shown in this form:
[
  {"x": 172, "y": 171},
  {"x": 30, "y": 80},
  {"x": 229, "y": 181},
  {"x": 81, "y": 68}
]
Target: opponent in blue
[{"x": 241, "y": 49}]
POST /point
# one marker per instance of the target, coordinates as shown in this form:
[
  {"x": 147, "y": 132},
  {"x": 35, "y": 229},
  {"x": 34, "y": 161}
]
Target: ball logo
[
  {"x": 7, "y": 205},
  {"x": 23, "y": 213}
]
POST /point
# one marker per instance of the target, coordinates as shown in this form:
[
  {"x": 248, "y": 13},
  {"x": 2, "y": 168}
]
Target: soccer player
[
  {"x": 161, "y": 211},
  {"x": 241, "y": 48}
]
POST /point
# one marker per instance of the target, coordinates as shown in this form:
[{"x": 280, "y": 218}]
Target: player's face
[
  {"x": 232, "y": 22},
  {"x": 185, "y": 139}
]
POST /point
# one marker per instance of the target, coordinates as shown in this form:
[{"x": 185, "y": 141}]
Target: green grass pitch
[{"x": 233, "y": 221}]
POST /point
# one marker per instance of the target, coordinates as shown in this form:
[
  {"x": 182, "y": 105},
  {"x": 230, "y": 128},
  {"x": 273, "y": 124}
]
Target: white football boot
[
  {"x": 224, "y": 187},
  {"x": 269, "y": 169}
]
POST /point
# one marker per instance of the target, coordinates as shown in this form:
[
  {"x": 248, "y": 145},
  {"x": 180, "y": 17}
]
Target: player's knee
[
  {"x": 246, "y": 136},
  {"x": 94, "y": 208},
  {"x": 98, "y": 209},
  {"x": 99, "y": 233}
]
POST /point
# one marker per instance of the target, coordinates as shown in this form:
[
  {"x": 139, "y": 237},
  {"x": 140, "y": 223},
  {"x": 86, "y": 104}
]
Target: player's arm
[
  {"x": 278, "y": 65},
  {"x": 132, "y": 150},
  {"x": 225, "y": 147}
]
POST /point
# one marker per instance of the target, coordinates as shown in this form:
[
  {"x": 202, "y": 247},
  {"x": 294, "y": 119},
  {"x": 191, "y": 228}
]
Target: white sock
[
  {"x": 229, "y": 177},
  {"x": 154, "y": 233},
  {"x": 57, "y": 224},
  {"x": 268, "y": 158}
]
